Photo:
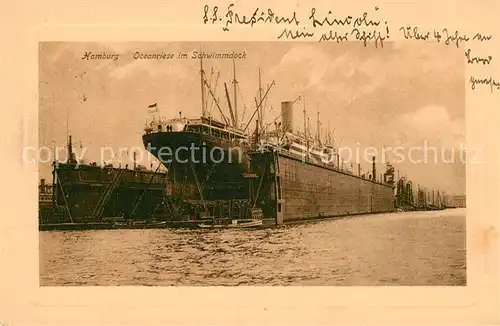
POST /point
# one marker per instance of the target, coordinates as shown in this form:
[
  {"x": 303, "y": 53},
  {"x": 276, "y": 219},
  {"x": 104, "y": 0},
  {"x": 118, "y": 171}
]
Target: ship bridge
[
  {"x": 171, "y": 125},
  {"x": 200, "y": 126}
]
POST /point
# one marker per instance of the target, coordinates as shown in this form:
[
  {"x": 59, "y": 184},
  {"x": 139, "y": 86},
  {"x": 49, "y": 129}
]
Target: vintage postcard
[
  {"x": 280, "y": 159},
  {"x": 283, "y": 155}
]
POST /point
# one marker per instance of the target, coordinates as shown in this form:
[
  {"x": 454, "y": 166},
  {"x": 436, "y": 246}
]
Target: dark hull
[
  {"x": 136, "y": 194},
  {"x": 201, "y": 166}
]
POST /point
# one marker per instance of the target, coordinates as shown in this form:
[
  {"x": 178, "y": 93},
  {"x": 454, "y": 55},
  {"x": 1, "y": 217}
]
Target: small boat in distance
[
  {"x": 235, "y": 224},
  {"x": 255, "y": 221}
]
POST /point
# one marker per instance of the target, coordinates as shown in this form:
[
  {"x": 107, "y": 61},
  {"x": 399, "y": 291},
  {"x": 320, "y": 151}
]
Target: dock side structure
[{"x": 289, "y": 189}]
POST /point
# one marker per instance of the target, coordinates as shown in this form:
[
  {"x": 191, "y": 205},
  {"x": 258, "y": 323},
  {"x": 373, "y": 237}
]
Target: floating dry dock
[
  {"x": 288, "y": 189},
  {"x": 88, "y": 193}
]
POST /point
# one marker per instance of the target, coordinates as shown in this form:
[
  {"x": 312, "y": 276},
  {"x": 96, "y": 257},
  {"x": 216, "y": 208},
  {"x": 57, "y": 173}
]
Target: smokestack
[
  {"x": 287, "y": 115},
  {"x": 71, "y": 156},
  {"x": 42, "y": 186},
  {"x": 359, "y": 169},
  {"x": 70, "y": 148},
  {"x": 374, "y": 172}
]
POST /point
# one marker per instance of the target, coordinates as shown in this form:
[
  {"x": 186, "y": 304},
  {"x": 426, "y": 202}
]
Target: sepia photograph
[{"x": 251, "y": 164}]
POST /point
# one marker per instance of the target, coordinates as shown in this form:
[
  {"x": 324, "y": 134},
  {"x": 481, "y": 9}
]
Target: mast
[
  {"x": 306, "y": 120},
  {"x": 235, "y": 97},
  {"x": 308, "y": 132},
  {"x": 209, "y": 109},
  {"x": 67, "y": 124},
  {"x": 233, "y": 119},
  {"x": 210, "y": 85},
  {"x": 202, "y": 81},
  {"x": 261, "y": 118},
  {"x": 258, "y": 106},
  {"x": 329, "y": 136},
  {"x": 318, "y": 125}
]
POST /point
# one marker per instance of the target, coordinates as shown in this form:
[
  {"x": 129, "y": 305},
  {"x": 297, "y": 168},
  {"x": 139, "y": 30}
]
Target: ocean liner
[
  {"x": 205, "y": 157},
  {"x": 283, "y": 174}
]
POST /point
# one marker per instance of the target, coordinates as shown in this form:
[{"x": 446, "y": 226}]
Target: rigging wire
[
  {"x": 242, "y": 101},
  {"x": 215, "y": 91}
]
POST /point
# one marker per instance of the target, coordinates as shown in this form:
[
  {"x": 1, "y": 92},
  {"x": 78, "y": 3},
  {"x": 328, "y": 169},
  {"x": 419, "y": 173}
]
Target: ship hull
[
  {"x": 200, "y": 166},
  {"x": 138, "y": 194},
  {"x": 293, "y": 190}
]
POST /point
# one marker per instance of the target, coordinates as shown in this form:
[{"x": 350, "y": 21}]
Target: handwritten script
[
  {"x": 360, "y": 27},
  {"x": 365, "y": 27}
]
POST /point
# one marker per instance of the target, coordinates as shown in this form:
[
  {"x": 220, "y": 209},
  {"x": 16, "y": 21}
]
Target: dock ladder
[{"x": 101, "y": 204}]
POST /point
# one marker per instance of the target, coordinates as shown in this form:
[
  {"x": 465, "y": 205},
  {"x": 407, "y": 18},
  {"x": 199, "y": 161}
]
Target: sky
[{"x": 404, "y": 94}]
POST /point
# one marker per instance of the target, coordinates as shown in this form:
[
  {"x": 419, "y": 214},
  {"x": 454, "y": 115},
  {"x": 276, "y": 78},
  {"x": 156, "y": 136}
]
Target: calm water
[{"x": 416, "y": 248}]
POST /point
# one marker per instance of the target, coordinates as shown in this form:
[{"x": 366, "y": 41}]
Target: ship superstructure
[
  {"x": 300, "y": 143},
  {"x": 300, "y": 177}
]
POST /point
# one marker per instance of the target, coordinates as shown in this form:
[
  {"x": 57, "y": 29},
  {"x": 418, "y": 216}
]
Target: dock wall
[
  {"x": 309, "y": 191},
  {"x": 287, "y": 189}
]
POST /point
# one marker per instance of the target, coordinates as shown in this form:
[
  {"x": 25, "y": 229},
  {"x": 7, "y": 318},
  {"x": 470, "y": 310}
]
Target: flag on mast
[{"x": 153, "y": 108}]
